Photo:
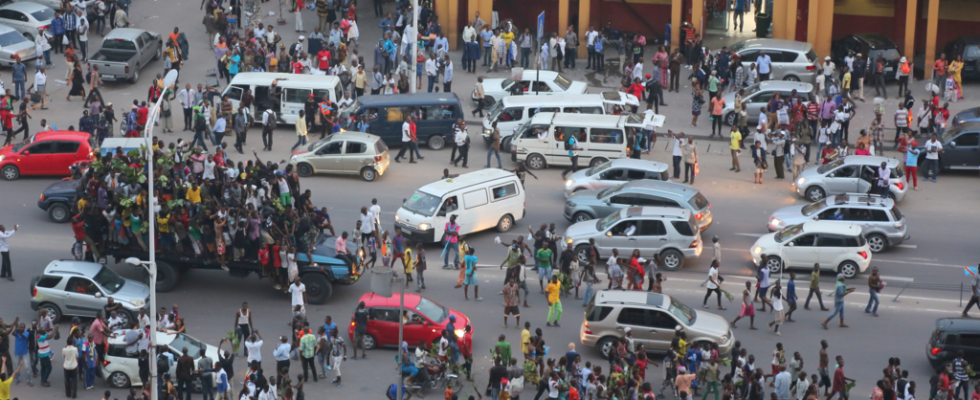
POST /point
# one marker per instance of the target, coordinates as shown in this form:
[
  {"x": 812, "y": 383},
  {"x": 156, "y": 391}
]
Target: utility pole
[{"x": 413, "y": 56}]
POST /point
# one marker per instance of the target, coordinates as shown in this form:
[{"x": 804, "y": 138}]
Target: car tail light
[
  {"x": 127, "y": 67},
  {"x": 935, "y": 351},
  {"x": 698, "y": 216},
  {"x": 106, "y": 363},
  {"x": 42, "y": 197},
  {"x": 34, "y": 291},
  {"x": 811, "y": 67},
  {"x": 900, "y": 185},
  {"x": 693, "y": 245},
  {"x": 709, "y": 206},
  {"x": 863, "y": 254},
  {"x": 377, "y": 158},
  {"x": 585, "y": 326},
  {"x": 45, "y": 27}
]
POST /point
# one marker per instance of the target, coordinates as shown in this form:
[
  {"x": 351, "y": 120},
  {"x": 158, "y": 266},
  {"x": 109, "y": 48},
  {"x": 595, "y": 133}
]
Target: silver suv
[
  {"x": 882, "y": 224},
  {"x": 613, "y": 173},
  {"x": 591, "y": 204},
  {"x": 851, "y": 174},
  {"x": 791, "y": 60},
  {"x": 670, "y": 232},
  {"x": 653, "y": 318},
  {"x": 81, "y": 288}
]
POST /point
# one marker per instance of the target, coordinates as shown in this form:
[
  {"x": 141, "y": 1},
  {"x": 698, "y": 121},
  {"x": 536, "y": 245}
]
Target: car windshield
[
  {"x": 43, "y": 14},
  {"x": 950, "y": 134},
  {"x": 736, "y": 47},
  {"x": 750, "y": 90},
  {"x": 563, "y": 82},
  {"x": 788, "y": 232},
  {"x": 11, "y": 38},
  {"x": 699, "y": 202},
  {"x": 506, "y": 84},
  {"x": 432, "y": 310},
  {"x": 812, "y": 208},
  {"x": 682, "y": 312},
  {"x": 610, "y": 220},
  {"x": 119, "y": 44},
  {"x": 317, "y": 144},
  {"x": 599, "y": 168},
  {"x": 830, "y": 166},
  {"x": 495, "y": 111},
  {"x": 182, "y": 341},
  {"x": 422, "y": 203},
  {"x": 109, "y": 280},
  {"x": 609, "y": 192}
]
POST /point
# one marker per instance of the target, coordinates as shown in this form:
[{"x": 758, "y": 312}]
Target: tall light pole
[
  {"x": 151, "y": 265},
  {"x": 413, "y": 49}
]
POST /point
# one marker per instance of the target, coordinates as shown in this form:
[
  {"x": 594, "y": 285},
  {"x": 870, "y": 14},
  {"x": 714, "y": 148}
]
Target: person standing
[
  {"x": 360, "y": 329},
  {"x": 713, "y": 285},
  {"x": 406, "y": 141},
  {"x": 307, "y": 350},
  {"x": 512, "y": 301},
  {"x": 779, "y": 317},
  {"x": 717, "y": 105},
  {"x": 690, "y": 151},
  {"x": 447, "y": 76},
  {"x": 300, "y": 130},
  {"x": 676, "y": 152},
  {"x": 840, "y": 381},
  {"x": 815, "y": 289},
  {"x": 5, "y": 268},
  {"x": 462, "y": 140},
  {"x": 338, "y": 354},
  {"x": 571, "y": 144},
  {"x": 554, "y": 302},
  {"x": 779, "y": 154},
  {"x": 736, "y": 139},
  {"x": 765, "y": 66},
  {"x": 933, "y": 148},
  {"x": 478, "y": 94},
  {"x": 791, "y": 296},
  {"x": 875, "y": 285},
  {"x": 19, "y": 71},
  {"x": 571, "y": 43},
  {"x": 840, "y": 291},
  {"x": 470, "y": 260},
  {"x": 70, "y": 354},
  {"x": 185, "y": 369}
]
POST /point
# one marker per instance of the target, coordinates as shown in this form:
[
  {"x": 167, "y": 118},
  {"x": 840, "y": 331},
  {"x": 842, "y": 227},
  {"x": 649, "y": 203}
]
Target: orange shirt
[{"x": 717, "y": 104}]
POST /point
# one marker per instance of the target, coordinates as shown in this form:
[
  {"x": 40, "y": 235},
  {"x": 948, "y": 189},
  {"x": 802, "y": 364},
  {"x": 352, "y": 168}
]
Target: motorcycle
[{"x": 438, "y": 373}]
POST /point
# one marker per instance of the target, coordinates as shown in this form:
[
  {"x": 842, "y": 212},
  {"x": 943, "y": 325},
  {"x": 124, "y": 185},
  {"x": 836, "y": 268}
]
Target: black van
[
  {"x": 951, "y": 336},
  {"x": 435, "y": 115}
]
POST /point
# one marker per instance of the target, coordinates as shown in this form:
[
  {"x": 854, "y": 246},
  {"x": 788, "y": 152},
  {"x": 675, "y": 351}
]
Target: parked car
[
  {"x": 46, "y": 153},
  {"x": 968, "y": 115},
  {"x": 840, "y": 248},
  {"x": 613, "y": 173},
  {"x": 969, "y": 48},
  {"x": 590, "y": 204},
  {"x": 869, "y": 45},
  {"x": 121, "y": 371},
  {"x": 961, "y": 148},
  {"x": 758, "y": 95},
  {"x": 345, "y": 153},
  {"x": 81, "y": 288},
  {"x": 671, "y": 233},
  {"x": 14, "y": 45},
  {"x": 58, "y": 199},
  {"x": 653, "y": 318},
  {"x": 851, "y": 174},
  {"x": 534, "y": 82},
  {"x": 56, "y": 5},
  {"x": 951, "y": 336},
  {"x": 124, "y": 52},
  {"x": 26, "y": 17},
  {"x": 791, "y": 60},
  {"x": 436, "y": 114},
  {"x": 879, "y": 218},
  {"x": 426, "y": 320}
]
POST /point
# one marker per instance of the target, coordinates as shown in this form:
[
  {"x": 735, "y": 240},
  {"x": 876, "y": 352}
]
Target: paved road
[{"x": 934, "y": 256}]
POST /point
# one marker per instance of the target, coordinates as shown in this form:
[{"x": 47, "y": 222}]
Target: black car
[
  {"x": 961, "y": 147},
  {"x": 869, "y": 45},
  {"x": 968, "y": 115},
  {"x": 969, "y": 48},
  {"x": 951, "y": 336},
  {"x": 57, "y": 200}
]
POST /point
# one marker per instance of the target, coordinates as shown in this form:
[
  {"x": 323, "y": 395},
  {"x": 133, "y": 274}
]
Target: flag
[{"x": 970, "y": 271}]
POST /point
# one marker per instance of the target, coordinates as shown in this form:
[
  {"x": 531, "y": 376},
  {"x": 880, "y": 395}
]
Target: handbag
[
  {"x": 35, "y": 98},
  {"x": 64, "y": 39}
]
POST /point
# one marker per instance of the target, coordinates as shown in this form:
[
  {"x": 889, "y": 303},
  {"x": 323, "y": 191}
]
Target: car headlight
[
  {"x": 293, "y": 158},
  {"x": 138, "y": 303},
  {"x": 424, "y": 226},
  {"x": 460, "y": 333},
  {"x": 757, "y": 250},
  {"x": 487, "y": 132},
  {"x": 1, "y": 158},
  {"x": 776, "y": 222},
  {"x": 568, "y": 240},
  {"x": 800, "y": 182},
  {"x": 569, "y": 183},
  {"x": 570, "y": 204}
]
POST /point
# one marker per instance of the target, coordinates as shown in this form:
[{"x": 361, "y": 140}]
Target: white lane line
[
  {"x": 908, "y": 246},
  {"x": 749, "y": 234},
  {"x": 918, "y": 263},
  {"x": 896, "y": 278}
]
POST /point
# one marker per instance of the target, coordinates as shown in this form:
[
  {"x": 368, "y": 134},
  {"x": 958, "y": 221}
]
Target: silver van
[
  {"x": 81, "y": 288},
  {"x": 598, "y": 203},
  {"x": 791, "y": 60}
]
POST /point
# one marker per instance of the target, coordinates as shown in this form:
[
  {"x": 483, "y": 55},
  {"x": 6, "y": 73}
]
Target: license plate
[
  {"x": 889, "y": 69},
  {"x": 120, "y": 77}
]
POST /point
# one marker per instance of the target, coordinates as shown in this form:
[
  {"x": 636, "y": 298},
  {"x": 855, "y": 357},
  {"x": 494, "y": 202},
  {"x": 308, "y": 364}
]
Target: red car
[
  {"x": 426, "y": 320},
  {"x": 47, "y": 153}
]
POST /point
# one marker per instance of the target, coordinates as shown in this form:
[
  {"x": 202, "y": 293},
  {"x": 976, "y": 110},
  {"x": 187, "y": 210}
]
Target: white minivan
[
  {"x": 601, "y": 137},
  {"x": 480, "y": 200},
  {"x": 296, "y": 89},
  {"x": 513, "y": 111}
]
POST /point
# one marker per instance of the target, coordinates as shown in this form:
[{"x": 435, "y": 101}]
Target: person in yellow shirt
[
  {"x": 194, "y": 194},
  {"x": 6, "y": 379},
  {"x": 736, "y": 138},
  {"x": 507, "y": 37},
  {"x": 163, "y": 226},
  {"x": 301, "y": 129},
  {"x": 525, "y": 337},
  {"x": 554, "y": 303},
  {"x": 845, "y": 82},
  {"x": 409, "y": 265}
]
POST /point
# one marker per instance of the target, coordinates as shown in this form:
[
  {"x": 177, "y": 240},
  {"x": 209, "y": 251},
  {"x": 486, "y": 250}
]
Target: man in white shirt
[
  {"x": 5, "y": 270},
  {"x": 713, "y": 285},
  {"x": 407, "y": 130},
  {"x": 828, "y": 68},
  {"x": 431, "y": 70},
  {"x": 298, "y": 292},
  {"x": 933, "y": 148},
  {"x": 346, "y": 101},
  {"x": 676, "y": 153},
  {"x": 462, "y": 145},
  {"x": 218, "y": 131},
  {"x": 186, "y": 99},
  {"x": 590, "y": 36},
  {"x": 883, "y": 179},
  {"x": 765, "y": 66},
  {"x": 82, "y": 32},
  {"x": 447, "y": 76},
  {"x": 40, "y": 82}
]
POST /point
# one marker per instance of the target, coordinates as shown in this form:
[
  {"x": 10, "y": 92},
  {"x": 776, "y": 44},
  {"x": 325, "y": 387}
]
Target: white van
[
  {"x": 480, "y": 200},
  {"x": 513, "y": 111},
  {"x": 601, "y": 137},
  {"x": 296, "y": 89}
]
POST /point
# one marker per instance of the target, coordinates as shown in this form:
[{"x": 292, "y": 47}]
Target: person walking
[
  {"x": 840, "y": 291},
  {"x": 748, "y": 310},
  {"x": 975, "y": 295},
  {"x": 462, "y": 140},
  {"x": 571, "y": 145},
  {"x": 494, "y": 146},
  {"x": 361, "y": 315},
  {"x": 554, "y": 302},
  {"x": 338, "y": 354},
  {"x": 735, "y": 137},
  {"x": 791, "y": 296},
  {"x": 300, "y": 130},
  {"x": 777, "y": 306},
  {"x": 933, "y": 148},
  {"x": 406, "y": 141},
  {"x": 713, "y": 285},
  {"x": 478, "y": 94},
  {"x": 307, "y": 350},
  {"x": 70, "y": 354},
  {"x": 5, "y": 268},
  {"x": 471, "y": 279},
  {"x": 815, "y": 289},
  {"x": 875, "y": 284}
]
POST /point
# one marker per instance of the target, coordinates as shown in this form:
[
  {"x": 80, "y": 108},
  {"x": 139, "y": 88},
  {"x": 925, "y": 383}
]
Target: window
[
  {"x": 831, "y": 241},
  {"x": 140, "y": 43},
  {"x": 968, "y": 140},
  {"x": 601, "y": 135},
  {"x": 657, "y": 176},
  {"x": 832, "y": 214},
  {"x": 297, "y": 95},
  {"x": 451, "y": 204},
  {"x": 597, "y": 313},
  {"x": 235, "y": 92},
  {"x": 789, "y": 56},
  {"x": 645, "y": 200},
  {"x": 622, "y": 227},
  {"x": 972, "y": 52},
  {"x": 549, "y": 109},
  {"x": 41, "y": 148},
  {"x": 511, "y": 114},
  {"x": 7, "y": 14},
  {"x": 633, "y": 174},
  {"x": 683, "y": 228},
  {"x": 82, "y": 286},
  {"x": 661, "y": 320},
  {"x": 624, "y": 199},
  {"x": 590, "y": 110},
  {"x": 436, "y": 112},
  {"x": 651, "y": 227},
  {"x": 331, "y": 148},
  {"x": 805, "y": 240},
  {"x": 573, "y": 130},
  {"x": 355, "y": 148},
  {"x": 750, "y": 55},
  {"x": 384, "y": 314},
  {"x": 970, "y": 340},
  {"x": 844, "y": 172},
  {"x": 146, "y": 36},
  {"x": 48, "y": 281},
  {"x": 861, "y": 215},
  {"x": 475, "y": 198},
  {"x": 66, "y": 147},
  {"x": 504, "y": 191},
  {"x": 633, "y": 316},
  {"x": 699, "y": 202},
  {"x": 613, "y": 175},
  {"x": 396, "y": 114},
  {"x": 319, "y": 93}
]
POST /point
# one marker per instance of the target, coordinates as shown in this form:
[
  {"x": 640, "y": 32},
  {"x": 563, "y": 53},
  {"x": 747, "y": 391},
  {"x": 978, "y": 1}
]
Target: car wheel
[
  {"x": 890, "y": 195},
  {"x": 436, "y": 142},
  {"x": 596, "y": 161},
  {"x": 136, "y": 74},
  {"x": 791, "y": 78},
  {"x": 506, "y": 222},
  {"x": 606, "y": 346},
  {"x": 582, "y": 216},
  {"x": 536, "y": 161},
  {"x": 304, "y": 170},
  {"x": 124, "y": 317},
  {"x": 10, "y": 173},
  {"x": 197, "y": 386},
  {"x": 119, "y": 380},
  {"x": 369, "y": 342},
  {"x": 505, "y": 144},
  {"x": 774, "y": 264},
  {"x": 59, "y": 213},
  {"x": 815, "y": 193},
  {"x": 53, "y": 311},
  {"x": 167, "y": 277},
  {"x": 488, "y": 101},
  {"x": 877, "y": 243},
  {"x": 318, "y": 288},
  {"x": 730, "y": 119},
  {"x": 158, "y": 54},
  {"x": 848, "y": 268},
  {"x": 582, "y": 251},
  {"x": 672, "y": 259},
  {"x": 369, "y": 174}
]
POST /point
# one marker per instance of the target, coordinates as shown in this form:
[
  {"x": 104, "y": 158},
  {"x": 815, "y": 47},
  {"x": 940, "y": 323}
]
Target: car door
[
  {"x": 293, "y": 101},
  {"x": 613, "y": 238},
  {"x": 417, "y": 328},
  {"x": 610, "y": 177},
  {"x": 383, "y": 325},
  {"x": 650, "y": 237},
  {"x": 801, "y": 251},
  {"x": 830, "y": 249},
  {"x": 83, "y": 297},
  {"x": 36, "y": 159},
  {"x": 435, "y": 119},
  {"x": 557, "y": 154},
  {"x": 963, "y": 151},
  {"x": 615, "y": 203},
  {"x": 14, "y": 19},
  {"x": 844, "y": 179},
  {"x": 755, "y": 104},
  {"x": 149, "y": 49},
  {"x": 65, "y": 154},
  {"x": 329, "y": 157},
  {"x": 606, "y": 143},
  {"x": 640, "y": 322},
  {"x": 662, "y": 326},
  {"x": 869, "y": 177},
  {"x": 355, "y": 157}
]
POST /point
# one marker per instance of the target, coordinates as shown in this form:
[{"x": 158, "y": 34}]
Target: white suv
[
  {"x": 122, "y": 371},
  {"x": 837, "y": 247}
]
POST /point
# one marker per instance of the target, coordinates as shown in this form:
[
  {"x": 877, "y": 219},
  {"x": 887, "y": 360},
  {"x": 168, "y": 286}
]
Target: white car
[
  {"x": 26, "y": 17},
  {"x": 534, "y": 82},
  {"x": 12, "y": 43},
  {"x": 122, "y": 371},
  {"x": 837, "y": 247}
]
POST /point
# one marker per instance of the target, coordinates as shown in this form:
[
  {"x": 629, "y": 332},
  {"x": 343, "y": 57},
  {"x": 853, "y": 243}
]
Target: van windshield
[
  {"x": 422, "y": 203},
  {"x": 495, "y": 111}
]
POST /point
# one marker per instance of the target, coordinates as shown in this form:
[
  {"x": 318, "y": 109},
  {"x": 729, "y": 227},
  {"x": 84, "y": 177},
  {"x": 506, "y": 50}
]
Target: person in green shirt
[
  {"x": 713, "y": 84},
  {"x": 544, "y": 265},
  {"x": 502, "y": 348}
]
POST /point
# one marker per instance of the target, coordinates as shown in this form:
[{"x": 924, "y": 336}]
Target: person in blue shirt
[
  {"x": 667, "y": 37},
  {"x": 840, "y": 291},
  {"x": 600, "y": 57},
  {"x": 470, "y": 277},
  {"x": 485, "y": 37},
  {"x": 386, "y": 23},
  {"x": 739, "y": 14},
  {"x": 571, "y": 144},
  {"x": 22, "y": 338},
  {"x": 20, "y": 78},
  {"x": 791, "y": 296}
]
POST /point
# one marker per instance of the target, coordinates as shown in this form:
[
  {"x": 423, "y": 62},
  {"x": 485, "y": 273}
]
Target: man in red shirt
[
  {"x": 323, "y": 59},
  {"x": 466, "y": 347},
  {"x": 840, "y": 381},
  {"x": 141, "y": 116},
  {"x": 8, "y": 125}
]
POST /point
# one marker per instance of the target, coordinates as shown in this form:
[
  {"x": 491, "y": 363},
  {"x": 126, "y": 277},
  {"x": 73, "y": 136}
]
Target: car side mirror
[
  {"x": 952, "y": 143},
  {"x": 404, "y": 200},
  {"x": 609, "y": 234},
  {"x": 26, "y": 153},
  {"x": 98, "y": 295},
  {"x": 425, "y": 323},
  {"x": 791, "y": 244}
]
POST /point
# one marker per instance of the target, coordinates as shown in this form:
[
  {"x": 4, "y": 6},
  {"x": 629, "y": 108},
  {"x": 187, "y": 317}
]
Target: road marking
[
  {"x": 920, "y": 263},
  {"x": 749, "y": 234},
  {"x": 908, "y": 246},
  {"x": 897, "y": 278}
]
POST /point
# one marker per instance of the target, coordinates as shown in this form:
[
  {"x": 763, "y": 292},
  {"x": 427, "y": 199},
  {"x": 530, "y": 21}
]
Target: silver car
[
  {"x": 26, "y": 17},
  {"x": 791, "y": 60},
  {"x": 81, "y": 288},
  {"x": 851, "y": 174},
  {"x": 757, "y": 96},
  {"x": 343, "y": 153},
  {"x": 13, "y": 44},
  {"x": 591, "y": 204},
  {"x": 671, "y": 233},
  {"x": 614, "y": 173},
  {"x": 880, "y": 220}
]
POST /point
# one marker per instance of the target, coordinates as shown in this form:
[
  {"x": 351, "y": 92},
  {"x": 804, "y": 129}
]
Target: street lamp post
[{"x": 413, "y": 49}]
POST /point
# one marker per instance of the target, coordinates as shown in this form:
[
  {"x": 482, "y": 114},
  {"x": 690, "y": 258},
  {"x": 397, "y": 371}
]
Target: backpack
[
  {"x": 163, "y": 365},
  {"x": 568, "y": 142},
  {"x": 905, "y": 68},
  {"x": 272, "y": 121},
  {"x": 292, "y": 50},
  {"x": 199, "y": 123}
]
